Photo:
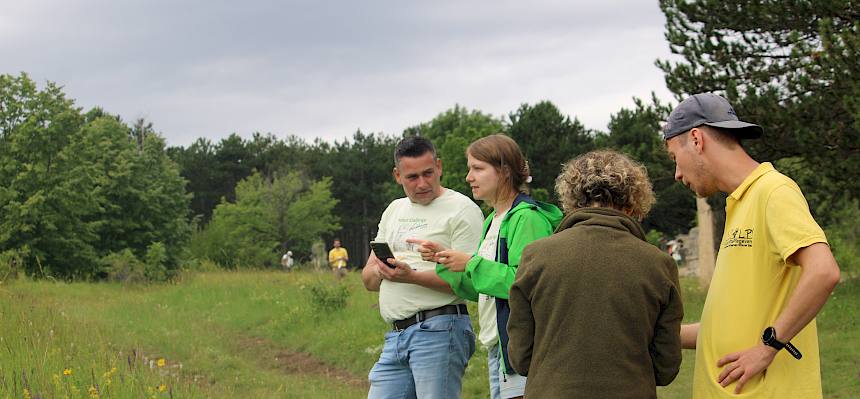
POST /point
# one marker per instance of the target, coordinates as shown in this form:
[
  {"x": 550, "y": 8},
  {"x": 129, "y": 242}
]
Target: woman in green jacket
[{"x": 498, "y": 175}]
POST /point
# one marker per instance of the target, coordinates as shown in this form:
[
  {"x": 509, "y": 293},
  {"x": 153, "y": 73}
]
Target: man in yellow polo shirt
[
  {"x": 337, "y": 258},
  {"x": 774, "y": 269}
]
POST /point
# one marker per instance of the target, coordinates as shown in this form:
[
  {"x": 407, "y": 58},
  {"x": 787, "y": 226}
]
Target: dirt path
[{"x": 272, "y": 356}]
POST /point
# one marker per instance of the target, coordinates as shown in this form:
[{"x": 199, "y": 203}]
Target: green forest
[{"x": 85, "y": 195}]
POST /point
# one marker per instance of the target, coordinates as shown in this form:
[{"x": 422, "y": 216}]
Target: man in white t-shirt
[
  {"x": 431, "y": 340},
  {"x": 287, "y": 261}
]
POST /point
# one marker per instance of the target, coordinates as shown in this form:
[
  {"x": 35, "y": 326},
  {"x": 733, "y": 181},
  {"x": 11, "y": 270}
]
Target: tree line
[{"x": 88, "y": 195}]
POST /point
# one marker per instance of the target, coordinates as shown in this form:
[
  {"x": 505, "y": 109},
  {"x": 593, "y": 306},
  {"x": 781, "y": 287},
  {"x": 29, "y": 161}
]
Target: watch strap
[
  {"x": 769, "y": 339},
  {"x": 793, "y": 350}
]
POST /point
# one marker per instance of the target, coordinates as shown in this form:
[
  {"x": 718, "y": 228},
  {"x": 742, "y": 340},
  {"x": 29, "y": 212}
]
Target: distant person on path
[
  {"x": 431, "y": 339},
  {"x": 338, "y": 258},
  {"x": 674, "y": 248},
  {"x": 287, "y": 261},
  {"x": 595, "y": 309},
  {"x": 499, "y": 176},
  {"x": 774, "y": 270}
]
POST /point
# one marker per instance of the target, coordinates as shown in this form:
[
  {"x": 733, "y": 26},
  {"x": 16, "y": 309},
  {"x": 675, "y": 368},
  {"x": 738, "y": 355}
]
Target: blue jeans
[
  {"x": 426, "y": 360},
  {"x": 510, "y": 386}
]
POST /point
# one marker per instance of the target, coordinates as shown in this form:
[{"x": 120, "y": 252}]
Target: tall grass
[
  {"x": 259, "y": 335},
  {"x": 46, "y": 352}
]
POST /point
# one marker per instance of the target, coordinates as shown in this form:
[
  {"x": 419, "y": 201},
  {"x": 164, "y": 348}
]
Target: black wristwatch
[{"x": 769, "y": 339}]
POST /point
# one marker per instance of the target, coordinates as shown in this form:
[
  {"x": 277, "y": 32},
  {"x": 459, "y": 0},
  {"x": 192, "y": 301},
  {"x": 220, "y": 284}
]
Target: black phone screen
[{"x": 382, "y": 251}]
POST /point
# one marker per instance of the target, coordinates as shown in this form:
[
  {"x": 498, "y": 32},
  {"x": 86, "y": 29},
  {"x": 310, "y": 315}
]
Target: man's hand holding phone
[
  {"x": 396, "y": 271},
  {"x": 388, "y": 267},
  {"x": 383, "y": 252}
]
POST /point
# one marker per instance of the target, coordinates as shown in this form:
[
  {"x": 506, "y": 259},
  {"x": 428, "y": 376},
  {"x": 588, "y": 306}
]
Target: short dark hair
[
  {"x": 412, "y": 147},
  {"x": 725, "y": 137}
]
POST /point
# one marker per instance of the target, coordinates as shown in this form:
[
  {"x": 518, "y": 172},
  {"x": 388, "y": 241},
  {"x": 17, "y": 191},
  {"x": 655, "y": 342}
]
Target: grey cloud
[{"x": 324, "y": 69}]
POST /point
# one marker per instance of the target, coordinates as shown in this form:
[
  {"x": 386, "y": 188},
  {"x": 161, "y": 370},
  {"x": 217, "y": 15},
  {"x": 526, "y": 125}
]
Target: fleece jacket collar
[{"x": 606, "y": 217}]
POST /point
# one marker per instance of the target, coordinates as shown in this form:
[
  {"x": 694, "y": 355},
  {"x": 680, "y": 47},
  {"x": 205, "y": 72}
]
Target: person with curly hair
[{"x": 595, "y": 309}]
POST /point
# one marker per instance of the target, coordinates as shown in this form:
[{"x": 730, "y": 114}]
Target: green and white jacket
[{"x": 526, "y": 221}]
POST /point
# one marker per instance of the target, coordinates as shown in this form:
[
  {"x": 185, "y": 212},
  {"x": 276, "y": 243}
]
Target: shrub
[
  {"x": 155, "y": 262},
  {"x": 11, "y": 264},
  {"x": 326, "y": 298},
  {"x": 654, "y": 237},
  {"x": 843, "y": 234},
  {"x": 123, "y": 266}
]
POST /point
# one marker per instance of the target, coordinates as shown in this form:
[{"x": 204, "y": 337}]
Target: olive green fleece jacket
[{"x": 595, "y": 311}]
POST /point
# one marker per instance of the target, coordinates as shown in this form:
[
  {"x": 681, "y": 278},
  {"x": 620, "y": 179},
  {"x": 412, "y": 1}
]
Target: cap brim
[{"x": 742, "y": 129}]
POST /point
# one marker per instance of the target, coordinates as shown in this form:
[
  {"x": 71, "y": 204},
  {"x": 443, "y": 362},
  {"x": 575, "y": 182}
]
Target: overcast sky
[{"x": 325, "y": 68}]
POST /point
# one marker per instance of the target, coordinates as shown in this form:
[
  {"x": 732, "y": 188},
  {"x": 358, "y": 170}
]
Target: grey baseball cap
[{"x": 708, "y": 109}]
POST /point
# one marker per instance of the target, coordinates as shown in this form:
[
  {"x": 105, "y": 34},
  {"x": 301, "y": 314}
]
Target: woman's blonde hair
[
  {"x": 605, "y": 178},
  {"x": 503, "y": 153}
]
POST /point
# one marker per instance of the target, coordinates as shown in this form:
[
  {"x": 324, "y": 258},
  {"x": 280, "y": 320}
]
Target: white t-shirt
[
  {"x": 452, "y": 220},
  {"x": 489, "y": 332}
]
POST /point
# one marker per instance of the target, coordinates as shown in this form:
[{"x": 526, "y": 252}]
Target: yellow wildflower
[
  {"x": 162, "y": 388},
  {"x": 26, "y": 393},
  {"x": 67, "y": 371},
  {"x": 161, "y": 362},
  {"x": 94, "y": 393}
]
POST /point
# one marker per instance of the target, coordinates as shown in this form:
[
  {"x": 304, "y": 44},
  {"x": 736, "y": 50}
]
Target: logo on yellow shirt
[{"x": 739, "y": 237}]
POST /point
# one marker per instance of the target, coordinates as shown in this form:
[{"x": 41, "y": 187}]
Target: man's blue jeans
[{"x": 426, "y": 360}]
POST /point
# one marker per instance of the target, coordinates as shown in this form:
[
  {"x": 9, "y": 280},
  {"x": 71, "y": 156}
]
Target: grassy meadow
[{"x": 255, "y": 334}]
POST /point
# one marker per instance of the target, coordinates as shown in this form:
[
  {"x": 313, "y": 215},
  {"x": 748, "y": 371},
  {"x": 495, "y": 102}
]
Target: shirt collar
[{"x": 759, "y": 171}]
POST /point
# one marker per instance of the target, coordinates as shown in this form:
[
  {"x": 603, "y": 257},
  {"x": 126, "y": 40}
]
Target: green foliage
[
  {"x": 78, "y": 187},
  {"x": 45, "y": 203},
  {"x": 310, "y": 215},
  {"x": 326, "y": 298},
  {"x": 155, "y": 262},
  {"x": 548, "y": 139},
  {"x": 788, "y": 66},
  {"x": 360, "y": 170},
  {"x": 266, "y": 213},
  {"x": 451, "y": 132},
  {"x": 844, "y": 235},
  {"x": 636, "y": 132},
  {"x": 653, "y": 237},
  {"x": 124, "y": 267},
  {"x": 540, "y": 194},
  {"x": 10, "y": 264}
]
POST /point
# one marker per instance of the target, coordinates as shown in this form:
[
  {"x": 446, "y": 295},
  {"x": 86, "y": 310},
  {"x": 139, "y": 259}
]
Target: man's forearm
[
  {"x": 689, "y": 334},
  {"x": 370, "y": 278},
  {"x": 430, "y": 280},
  {"x": 818, "y": 278}
]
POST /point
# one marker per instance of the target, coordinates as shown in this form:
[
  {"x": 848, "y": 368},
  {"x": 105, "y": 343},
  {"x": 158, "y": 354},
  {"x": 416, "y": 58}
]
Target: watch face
[
  {"x": 768, "y": 335},
  {"x": 769, "y": 339}
]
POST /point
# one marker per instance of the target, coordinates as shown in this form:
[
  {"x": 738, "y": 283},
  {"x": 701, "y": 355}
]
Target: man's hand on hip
[{"x": 744, "y": 365}]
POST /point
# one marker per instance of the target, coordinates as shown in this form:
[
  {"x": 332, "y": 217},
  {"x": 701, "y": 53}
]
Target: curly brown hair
[{"x": 605, "y": 178}]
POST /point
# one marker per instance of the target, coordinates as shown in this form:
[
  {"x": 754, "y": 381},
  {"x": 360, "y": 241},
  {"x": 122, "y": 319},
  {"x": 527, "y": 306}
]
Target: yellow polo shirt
[
  {"x": 334, "y": 255},
  {"x": 767, "y": 220}
]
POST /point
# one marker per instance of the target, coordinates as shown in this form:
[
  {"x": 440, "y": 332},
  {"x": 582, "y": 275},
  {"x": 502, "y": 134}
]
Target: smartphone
[{"x": 382, "y": 251}]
